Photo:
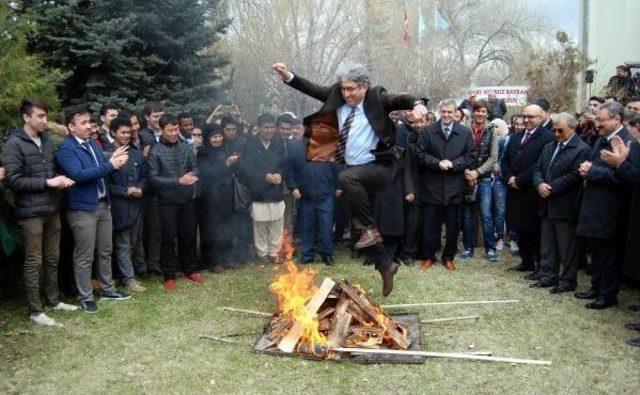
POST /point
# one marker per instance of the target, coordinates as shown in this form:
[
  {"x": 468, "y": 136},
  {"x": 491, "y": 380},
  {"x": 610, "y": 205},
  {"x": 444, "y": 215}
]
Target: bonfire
[{"x": 313, "y": 320}]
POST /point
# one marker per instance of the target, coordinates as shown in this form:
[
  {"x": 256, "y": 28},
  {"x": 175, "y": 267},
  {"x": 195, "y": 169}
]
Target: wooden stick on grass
[
  {"x": 218, "y": 339},
  {"x": 442, "y": 355},
  {"x": 249, "y": 312},
  {"x": 447, "y": 319},
  {"x": 471, "y": 302}
]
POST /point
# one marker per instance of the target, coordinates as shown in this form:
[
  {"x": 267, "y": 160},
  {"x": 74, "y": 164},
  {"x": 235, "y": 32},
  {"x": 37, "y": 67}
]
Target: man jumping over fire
[{"x": 353, "y": 128}]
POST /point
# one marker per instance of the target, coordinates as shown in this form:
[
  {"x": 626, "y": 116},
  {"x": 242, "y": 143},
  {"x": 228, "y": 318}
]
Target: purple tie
[
  {"x": 525, "y": 139},
  {"x": 344, "y": 135}
]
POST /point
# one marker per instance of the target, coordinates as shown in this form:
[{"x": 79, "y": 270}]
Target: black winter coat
[
  {"x": 28, "y": 169},
  {"x": 520, "y": 161},
  {"x": 563, "y": 177},
  {"x": 629, "y": 173},
  {"x": 604, "y": 205},
  {"x": 126, "y": 210},
  {"x": 256, "y": 162},
  {"x": 167, "y": 163},
  {"x": 444, "y": 187}
]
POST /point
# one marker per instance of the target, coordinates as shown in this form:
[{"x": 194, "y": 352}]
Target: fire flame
[{"x": 293, "y": 289}]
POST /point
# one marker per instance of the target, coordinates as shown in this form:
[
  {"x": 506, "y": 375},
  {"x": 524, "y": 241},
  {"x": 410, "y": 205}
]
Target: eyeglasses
[
  {"x": 557, "y": 130},
  {"x": 530, "y": 116}
]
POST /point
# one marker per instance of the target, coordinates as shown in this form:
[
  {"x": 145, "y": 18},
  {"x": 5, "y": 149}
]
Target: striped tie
[{"x": 344, "y": 135}]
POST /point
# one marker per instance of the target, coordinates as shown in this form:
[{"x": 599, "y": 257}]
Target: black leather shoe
[
  {"x": 523, "y": 268},
  {"x": 634, "y": 308},
  {"x": 535, "y": 276},
  {"x": 327, "y": 260},
  {"x": 634, "y": 342},
  {"x": 602, "y": 304},
  {"x": 541, "y": 284},
  {"x": 634, "y": 326},
  {"x": 409, "y": 261},
  {"x": 560, "y": 289},
  {"x": 590, "y": 294},
  {"x": 387, "y": 278}
]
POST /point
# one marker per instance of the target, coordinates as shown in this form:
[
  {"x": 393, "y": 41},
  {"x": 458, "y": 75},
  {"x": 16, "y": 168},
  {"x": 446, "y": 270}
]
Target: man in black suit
[
  {"x": 520, "y": 157},
  {"x": 353, "y": 128},
  {"x": 445, "y": 150},
  {"x": 557, "y": 180},
  {"x": 603, "y": 210}
]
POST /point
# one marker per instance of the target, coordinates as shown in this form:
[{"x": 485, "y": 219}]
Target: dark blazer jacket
[
  {"x": 563, "y": 177},
  {"x": 321, "y": 128},
  {"x": 438, "y": 186},
  {"x": 629, "y": 173},
  {"x": 604, "y": 205},
  {"x": 520, "y": 161},
  {"x": 77, "y": 163}
]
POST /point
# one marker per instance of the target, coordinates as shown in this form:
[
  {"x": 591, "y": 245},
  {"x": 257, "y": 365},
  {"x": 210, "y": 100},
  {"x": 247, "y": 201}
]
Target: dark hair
[
  {"x": 543, "y": 103},
  {"x": 184, "y": 115},
  {"x": 286, "y": 118},
  {"x": 635, "y": 120},
  {"x": 71, "y": 112},
  {"x": 167, "y": 119},
  {"x": 210, "y": 129},
  {"x": 265, "y": 118},
  {"x": 634, "y": 98},
  {"x": 226, "y": 120},
  {"x": 61, "y": 119},
  {"x": 107, "y": 107},
  {"x": 597, "y": 98},
  {"x": 119, "y": 121},
  {"x": 126, "y": 113},
  {"x": 153, "y": 106},
  {"x": 482, "y": 104},
  {"x": 27, "y": 105}
]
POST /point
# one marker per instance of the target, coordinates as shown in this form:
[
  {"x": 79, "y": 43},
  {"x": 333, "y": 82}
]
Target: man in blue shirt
[
  {"x": 88, "y": 208},
  {"x": 353, "y": 128}
]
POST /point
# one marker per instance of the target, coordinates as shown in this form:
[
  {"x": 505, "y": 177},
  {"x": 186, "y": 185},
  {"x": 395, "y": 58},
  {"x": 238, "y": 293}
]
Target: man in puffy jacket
[
  {"x": 28, "y": 158},
  {"x": 173, "y": 173},
  {"x": 126, "y": 187}
]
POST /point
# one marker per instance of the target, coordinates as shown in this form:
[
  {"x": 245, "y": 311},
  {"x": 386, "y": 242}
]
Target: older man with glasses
[
  {"x": 557, "y": 180},
  {"x": 520, "y": 157}
]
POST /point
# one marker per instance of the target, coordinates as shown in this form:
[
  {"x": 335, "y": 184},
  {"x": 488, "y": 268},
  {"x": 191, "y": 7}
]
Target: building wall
[{"x": 609, "y": 36}]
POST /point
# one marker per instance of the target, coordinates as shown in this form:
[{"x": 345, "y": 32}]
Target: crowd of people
[{"x": 181, "y": 196}]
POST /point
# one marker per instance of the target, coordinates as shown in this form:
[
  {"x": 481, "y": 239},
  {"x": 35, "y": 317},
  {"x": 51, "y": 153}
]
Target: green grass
[{"x": 150, "y": 343}]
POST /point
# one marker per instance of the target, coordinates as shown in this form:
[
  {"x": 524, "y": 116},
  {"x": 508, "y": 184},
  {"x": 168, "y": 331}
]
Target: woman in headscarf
[{"x": 216, "y": 199}]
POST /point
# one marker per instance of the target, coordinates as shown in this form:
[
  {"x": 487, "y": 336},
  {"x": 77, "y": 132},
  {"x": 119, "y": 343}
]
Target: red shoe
[
  {"x": 170, "y": 284},
  {"x": 426, "y": 264},
  {"x": 196, "y": 277},
  {"x": 449, "y": 265}
]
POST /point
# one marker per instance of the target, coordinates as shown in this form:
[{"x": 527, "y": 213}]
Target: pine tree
[
  {"x": 128, "y": 51},
  {"x": 21, "y": 74}
]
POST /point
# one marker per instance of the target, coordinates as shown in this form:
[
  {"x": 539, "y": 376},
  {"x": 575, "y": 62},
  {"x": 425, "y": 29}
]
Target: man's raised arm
[{"x": 307, "y": 87}]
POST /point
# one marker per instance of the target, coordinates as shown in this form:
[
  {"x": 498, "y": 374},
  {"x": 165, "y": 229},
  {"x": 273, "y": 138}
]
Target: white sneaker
[
  {"x": 500, "y": 245},
  {"x": 64, "y": 307},
  {"x": 514, "y": 246},
  {"x": 42, "y": 319}
]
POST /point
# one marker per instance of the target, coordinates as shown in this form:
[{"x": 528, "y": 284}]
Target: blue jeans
[
  {"x": 500, "y": 208},
  {"x": 316, "y": 214},
  {"x": 484, "y": 200}
]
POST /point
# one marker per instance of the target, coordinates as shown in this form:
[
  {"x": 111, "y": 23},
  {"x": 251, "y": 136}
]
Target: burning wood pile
[{"x": 313, "y": 320}]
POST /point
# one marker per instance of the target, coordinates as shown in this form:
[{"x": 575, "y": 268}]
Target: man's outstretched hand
[{"x": 282, "y": 70}]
